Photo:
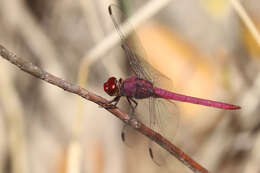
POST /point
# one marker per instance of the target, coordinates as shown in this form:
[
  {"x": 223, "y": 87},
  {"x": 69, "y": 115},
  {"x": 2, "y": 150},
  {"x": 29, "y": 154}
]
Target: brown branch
[{"x": 156, "y": 137}]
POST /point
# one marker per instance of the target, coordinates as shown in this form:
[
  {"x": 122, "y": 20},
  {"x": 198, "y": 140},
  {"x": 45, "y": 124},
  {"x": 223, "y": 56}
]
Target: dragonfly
[{"x": 145, "y": 85}]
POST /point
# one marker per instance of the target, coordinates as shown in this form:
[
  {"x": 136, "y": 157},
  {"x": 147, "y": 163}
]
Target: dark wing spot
[
  {"x": 123, "y": 136},
  {"x": 151, "y": 153},
  {"x": 152, "y": 157}
]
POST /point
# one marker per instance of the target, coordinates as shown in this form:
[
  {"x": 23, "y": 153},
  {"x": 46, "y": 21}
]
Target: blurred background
[{"x": 203, "y": 46}]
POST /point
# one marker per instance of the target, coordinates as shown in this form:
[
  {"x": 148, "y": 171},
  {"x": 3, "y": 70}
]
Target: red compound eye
[{"x": 110, "y": 87}]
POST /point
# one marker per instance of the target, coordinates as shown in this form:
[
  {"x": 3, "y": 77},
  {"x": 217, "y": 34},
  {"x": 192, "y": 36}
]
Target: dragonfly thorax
[{"x": 137, "y": 88}]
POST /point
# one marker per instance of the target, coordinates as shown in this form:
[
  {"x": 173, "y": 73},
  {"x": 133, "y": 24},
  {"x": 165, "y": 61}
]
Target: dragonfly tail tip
[{"x": 232, "y": 107}]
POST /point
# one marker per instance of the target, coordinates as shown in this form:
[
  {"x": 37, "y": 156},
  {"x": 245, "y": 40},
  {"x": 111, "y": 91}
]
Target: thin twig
[
  {"x": 246, "y": 19},
  {"x": 67, "y": 86}
]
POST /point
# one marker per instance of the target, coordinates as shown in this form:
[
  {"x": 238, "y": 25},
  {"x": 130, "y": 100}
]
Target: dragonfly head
[{"x": 111, "y": 86}]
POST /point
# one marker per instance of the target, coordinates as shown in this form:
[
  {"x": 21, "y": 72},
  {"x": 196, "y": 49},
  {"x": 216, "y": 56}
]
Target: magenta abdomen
[{"x": 183, "y": 98}]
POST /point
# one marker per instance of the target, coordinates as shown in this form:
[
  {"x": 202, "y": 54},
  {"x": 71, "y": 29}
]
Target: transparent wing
[
  {"x": 130, "y": 136},
  {"x": 164, "y": 119},
  {"x": 160, "y": 115},
  {"x": 139, "y": 65},
  {"x": 117, "y": 17}
]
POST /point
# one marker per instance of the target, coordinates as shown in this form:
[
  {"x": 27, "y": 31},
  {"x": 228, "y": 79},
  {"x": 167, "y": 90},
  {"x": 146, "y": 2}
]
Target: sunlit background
[{"x": 203, "y": 46}]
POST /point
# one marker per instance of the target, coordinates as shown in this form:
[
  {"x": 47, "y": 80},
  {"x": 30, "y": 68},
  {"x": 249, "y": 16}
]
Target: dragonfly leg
[
  {"x": 133, "y": 107},
  {"x": 110, "y": 104}
]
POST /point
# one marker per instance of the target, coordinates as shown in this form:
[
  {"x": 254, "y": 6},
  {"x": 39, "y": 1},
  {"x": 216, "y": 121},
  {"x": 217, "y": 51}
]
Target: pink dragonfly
[{"x": 143, "y": 86}]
